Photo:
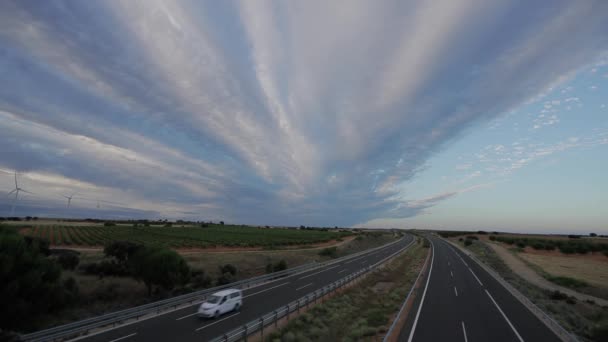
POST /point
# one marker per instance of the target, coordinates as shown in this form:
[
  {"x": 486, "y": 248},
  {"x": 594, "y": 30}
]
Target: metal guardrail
[
  {"x": 273, "y": 317},
  {"x": 407, "y": 298},
  {"x": 562, "y": 333},
  {"x": 84, "y": 327}
]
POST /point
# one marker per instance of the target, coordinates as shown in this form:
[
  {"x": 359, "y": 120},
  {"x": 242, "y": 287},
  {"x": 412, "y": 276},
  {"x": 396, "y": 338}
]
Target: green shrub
[
  {"x": 228, "y": 268},
  {"x": 600, "y": 332},
  {"x": 331, "y": 252},
  {"x": 159, "y": 266},
  {"x": 492, "y": 238},
  {"x": 468, "y": 242},
  {"x": 68, "y": 261},
  {"x": 567, "y": 281}
]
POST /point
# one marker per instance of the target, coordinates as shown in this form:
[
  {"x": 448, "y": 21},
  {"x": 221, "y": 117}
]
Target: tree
[
  {"x": 157, "y": 266},
  {"x": 121, "y": 250},
  {"x": 68, "y": 261},
  {"x": 30, "y": 283},
  {"x": 222, "y": 223},
  {"x": 593, "y": 234}
]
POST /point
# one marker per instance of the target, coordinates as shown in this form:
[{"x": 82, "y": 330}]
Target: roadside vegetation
[
  {"x": 201, "y": 236},
  {"x": 362, "y": 312},
  {"x": 126, "y": 273},
  {"x": 571, "y": 246},
  {"x": 588, "y": 320}
]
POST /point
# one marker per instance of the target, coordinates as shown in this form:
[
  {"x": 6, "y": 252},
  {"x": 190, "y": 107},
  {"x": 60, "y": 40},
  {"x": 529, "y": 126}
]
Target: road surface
[
  {"x": 462, "y": 302},
  {"x": 184, "y": 325}
]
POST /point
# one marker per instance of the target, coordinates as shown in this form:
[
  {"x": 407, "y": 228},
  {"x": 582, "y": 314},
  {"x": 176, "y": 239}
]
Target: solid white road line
[
  {"x": 268, "y": 289},
  {"x": 505, "y": 317},
  {"x": 122, "y": 338},
  {"x": 452, "y": 274},
  {"x": 423, "y": 295},
  {"x": 216, "y": 322},
  {"x": 301, "y": 287},
  {"x": 327, "y": 269},
  {"x": 474, "y": 275},
  {"x": 464, "y": 331},
  {"x": 341, "y": 271},
  {"x": 179, "y": 319},
  {"x": 455, "y": 291}
]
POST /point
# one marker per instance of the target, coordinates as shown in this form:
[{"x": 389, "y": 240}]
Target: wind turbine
[
  {"x": 69, "y": 199},
  {"x": 16, "y": 191}
]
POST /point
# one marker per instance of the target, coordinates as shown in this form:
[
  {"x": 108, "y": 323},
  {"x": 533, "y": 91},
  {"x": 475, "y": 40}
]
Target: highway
[
  {"x": 184, "y": 325},
  {"x": 460, "y": 301}
]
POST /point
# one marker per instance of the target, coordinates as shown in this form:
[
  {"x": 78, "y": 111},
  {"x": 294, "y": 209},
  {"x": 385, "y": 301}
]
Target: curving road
[
  {"x": 462, "y": 302},
  {"x": 183, "y": 325}
]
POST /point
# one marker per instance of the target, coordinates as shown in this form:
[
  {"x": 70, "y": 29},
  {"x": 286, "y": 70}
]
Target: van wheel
[
  {"x": 217, "y": 314},
  {"x": 237, "y": 307}
]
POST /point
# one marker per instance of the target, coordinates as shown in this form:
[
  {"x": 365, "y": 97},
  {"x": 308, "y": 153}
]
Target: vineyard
[{"x": 231, "y": 236}]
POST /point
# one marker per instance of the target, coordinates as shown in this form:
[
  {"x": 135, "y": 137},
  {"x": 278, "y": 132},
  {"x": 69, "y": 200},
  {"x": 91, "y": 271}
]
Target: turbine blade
[
  {"x": 31, "y": 193},
  {"x": 11, "y": 192},
  {"x": 16, "y": 186}
]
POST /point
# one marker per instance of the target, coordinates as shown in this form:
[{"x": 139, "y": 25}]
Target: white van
[{"x": 221, "y": 302}]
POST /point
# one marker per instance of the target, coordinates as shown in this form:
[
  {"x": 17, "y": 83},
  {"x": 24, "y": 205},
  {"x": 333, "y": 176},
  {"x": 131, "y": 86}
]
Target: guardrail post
[
  {"x": 262, "y": 328},
  {"x": 287, "y": 311},
  {"x": 245, "y": 333},
  {"x": 276, "y": 318},
  {"x": 298, "y": 306}
]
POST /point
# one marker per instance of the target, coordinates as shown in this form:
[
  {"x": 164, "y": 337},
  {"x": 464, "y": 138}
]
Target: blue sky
[{"x": 443, "y": 114}]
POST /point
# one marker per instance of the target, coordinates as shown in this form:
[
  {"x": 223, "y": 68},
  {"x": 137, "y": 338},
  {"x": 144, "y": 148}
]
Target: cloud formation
[{"x": 302, "y": 112}]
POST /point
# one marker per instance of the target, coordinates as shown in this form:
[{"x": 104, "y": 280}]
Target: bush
[
  {"x": 225, "y": 278},
  {"x": 331, "y": 252},
  {"x": 30, "y": 283},
  {"x": 109, "y": 224},
  {"x": 472, "y": 237},
  {"x": 200, "y": 279},
  {"x": 567, "y": 281},
  {"x": 492, "y": 238},
  {"x": 600, "y": 332},
  {"x": 159, "y": 266},
  {"x": 228, "y": 268},
  {"x": 557, "y": 295},
  {"x": 121, "y": 250},
  {"x": 279, "y": 266},
  {"x": 68, "y": 261},
  {"x": 426, "y": 243},
  {"x": 468, "y": 242}
]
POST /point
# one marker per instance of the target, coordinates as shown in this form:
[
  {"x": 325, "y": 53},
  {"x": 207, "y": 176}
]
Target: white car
[{"x": 221, "y": 302}]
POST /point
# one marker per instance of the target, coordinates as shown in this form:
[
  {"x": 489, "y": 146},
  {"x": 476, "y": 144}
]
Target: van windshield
[{"x": 214, "y": 299}]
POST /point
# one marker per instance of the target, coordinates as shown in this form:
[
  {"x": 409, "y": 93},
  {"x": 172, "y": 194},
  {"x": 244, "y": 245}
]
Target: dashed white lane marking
[
  {"x": 122, "y": 338},
  {"x": 301, "y": 287},
  {"x": 455, "y": 291},
  {"x": 268, "y": 289},
  {"x": 327, "y": 269},
  {"x": 216, "y": 322},
  {"x": 505, "y": 317},
  {"x": 464, "y": 331},
  {"x": 341, "y": 271},
  {"x": 179, "y": 319},
  {"x": 452, "y": 274}
]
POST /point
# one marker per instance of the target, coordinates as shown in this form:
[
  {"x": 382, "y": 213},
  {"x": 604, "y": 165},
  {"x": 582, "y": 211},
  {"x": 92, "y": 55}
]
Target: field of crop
[{"x": 187, "y": 237}]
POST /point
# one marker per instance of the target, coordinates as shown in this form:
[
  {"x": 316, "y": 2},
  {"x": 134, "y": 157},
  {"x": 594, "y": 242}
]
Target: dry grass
[{"x": 590, "y": 270}]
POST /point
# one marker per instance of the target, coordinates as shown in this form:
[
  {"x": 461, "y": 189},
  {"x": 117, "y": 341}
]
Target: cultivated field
[
  {"x": 586, "y": 268},
  {"x": 181, "y": 237}
]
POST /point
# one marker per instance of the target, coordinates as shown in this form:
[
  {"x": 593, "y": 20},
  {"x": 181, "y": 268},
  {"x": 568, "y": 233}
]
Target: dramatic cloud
[{"x": 295, "y": 112}]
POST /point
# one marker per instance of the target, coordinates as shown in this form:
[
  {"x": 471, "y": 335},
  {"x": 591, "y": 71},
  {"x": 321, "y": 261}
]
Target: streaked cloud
[{"x": 302, "y": 112}]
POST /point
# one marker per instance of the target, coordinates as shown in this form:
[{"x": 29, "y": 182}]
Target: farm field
[
  {"x": 593, "y": 270},
  {"x": 180, "y": 237}
]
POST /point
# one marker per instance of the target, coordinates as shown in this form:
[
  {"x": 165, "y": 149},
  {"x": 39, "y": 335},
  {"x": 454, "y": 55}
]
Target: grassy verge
[
  {"x": 362, "y": 312},
  {"x": 587, "y": 320},
  {"x": 102, "y": 295}
]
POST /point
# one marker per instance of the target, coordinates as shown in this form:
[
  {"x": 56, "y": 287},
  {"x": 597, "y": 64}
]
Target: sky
[{"x": 453, "y": 114}]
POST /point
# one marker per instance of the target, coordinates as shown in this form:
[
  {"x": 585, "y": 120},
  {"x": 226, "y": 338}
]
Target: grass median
[{"x": 363, "y": 311}]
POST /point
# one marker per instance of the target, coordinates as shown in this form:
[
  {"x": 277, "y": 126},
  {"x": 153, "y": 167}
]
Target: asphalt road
[
  {"x": 462, "y": 302},
  {"x": 184, "y": 325}
]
